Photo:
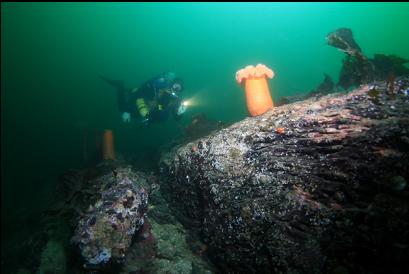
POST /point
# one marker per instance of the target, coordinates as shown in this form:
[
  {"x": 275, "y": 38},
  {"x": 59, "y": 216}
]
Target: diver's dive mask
[{"x": 176, "y": 89}]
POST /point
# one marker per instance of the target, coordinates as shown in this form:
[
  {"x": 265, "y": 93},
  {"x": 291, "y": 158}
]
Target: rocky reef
[
  {"x": 115, "y": 229},
  {"x": 317, "y": 186}
]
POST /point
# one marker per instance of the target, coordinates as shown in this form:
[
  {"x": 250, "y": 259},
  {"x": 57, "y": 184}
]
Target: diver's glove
[
  {"x": 181, "y": 109},
  {"x": 126, "y": 117}
]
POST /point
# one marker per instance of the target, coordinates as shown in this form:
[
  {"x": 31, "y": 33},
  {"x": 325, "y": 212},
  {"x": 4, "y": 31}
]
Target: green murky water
[{"x": 52, "y": 54}]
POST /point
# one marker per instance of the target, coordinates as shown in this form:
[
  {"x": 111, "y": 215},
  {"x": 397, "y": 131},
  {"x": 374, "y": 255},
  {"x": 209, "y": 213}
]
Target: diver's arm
[
  {"x": 178, "y": 111},
  {"x": 126, "y": 111}
]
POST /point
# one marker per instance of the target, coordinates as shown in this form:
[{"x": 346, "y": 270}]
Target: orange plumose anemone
[{"x": 254, "y": 80}]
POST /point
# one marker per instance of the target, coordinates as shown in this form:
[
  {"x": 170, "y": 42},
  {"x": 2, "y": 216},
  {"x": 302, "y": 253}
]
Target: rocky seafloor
[{"x": 315, "y": 186}]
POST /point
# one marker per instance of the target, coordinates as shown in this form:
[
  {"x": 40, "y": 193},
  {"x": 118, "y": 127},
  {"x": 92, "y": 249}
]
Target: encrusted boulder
[
  {"x": 104, "y": 232},
  {"x": 315, "y": 186}
]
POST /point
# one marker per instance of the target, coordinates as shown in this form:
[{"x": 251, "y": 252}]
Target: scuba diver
[{"x": 153, "y": 101}]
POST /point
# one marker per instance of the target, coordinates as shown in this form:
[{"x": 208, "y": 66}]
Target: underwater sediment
[{"x": 314, "y": 186}]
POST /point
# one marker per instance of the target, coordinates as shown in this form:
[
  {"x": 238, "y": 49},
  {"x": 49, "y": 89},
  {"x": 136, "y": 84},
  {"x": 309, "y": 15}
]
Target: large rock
[{"x": 314, "y": 186}]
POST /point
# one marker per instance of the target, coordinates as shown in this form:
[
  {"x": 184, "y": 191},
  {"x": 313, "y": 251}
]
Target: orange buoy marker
[
  {"x": 108, "y": 152},
  {"x": 258, "y": 95}
]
